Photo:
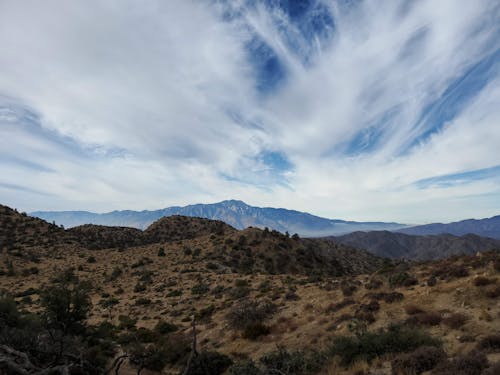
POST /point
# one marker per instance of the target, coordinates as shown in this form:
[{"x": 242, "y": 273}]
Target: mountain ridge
[
  {"x": 487, "y": 227},
  {"x": 234, "y": 212}
]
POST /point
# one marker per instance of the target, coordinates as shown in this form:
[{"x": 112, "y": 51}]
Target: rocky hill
[
  {"x": 261, "y": 302},
  {"x": 235, "y": 213},
  {"x": 489, "y": 227},
  {"x": 399, "y": 245}
]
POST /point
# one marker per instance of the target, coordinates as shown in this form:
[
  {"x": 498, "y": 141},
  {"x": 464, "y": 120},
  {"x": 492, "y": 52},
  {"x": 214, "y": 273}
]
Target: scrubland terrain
[{"x": 93, "y": 300}]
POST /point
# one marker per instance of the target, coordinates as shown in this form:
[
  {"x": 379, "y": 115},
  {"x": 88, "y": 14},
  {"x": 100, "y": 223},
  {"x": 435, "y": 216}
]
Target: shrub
[
  {"x": 161, "y": 252},
  {"x": 402, "y": 279},
  {"x": 250, "y": 312},
  {"x": 297, "y": 362},
  {"x": 369, "y": 345},
  {"x": 425, "y": 318},
  {"x": 432, "y": 281},
  {"x": 139, "y": 287},
  {"x": 212, "y": 363},
  {"x": 490, "y": 343},
  {"x": 245, "y": 368},
  {"x": 164, "y": 328},
  {"x": 9, "y": 315},
  {"x": 126, "y": 322},
  {"x": 493, "y": 292},
  {"x": 200, "y": 288},
  {"x": 334, "y": 307},
  {"x": 455, "y": 320},
  {"x": 481, "y": 281},
  {"x": 413, "y": 309},
  {"x": 472, "y": 363},
  {"x": 142, "y": 301},
  {"x": 174, "y": 293},
  {"x": 254, "y": 330},
  {"x": 205, "y": 313},
  {"x": 348, "y": 288},
  {"x": 492, "y": 370},
  {"x": 420, "y": 360},
  {"x": 66, "y": 305}
]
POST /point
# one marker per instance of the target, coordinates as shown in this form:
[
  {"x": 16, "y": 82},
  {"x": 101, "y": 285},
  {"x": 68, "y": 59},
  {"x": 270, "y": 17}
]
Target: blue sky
[{"x": 360, "y": 110}]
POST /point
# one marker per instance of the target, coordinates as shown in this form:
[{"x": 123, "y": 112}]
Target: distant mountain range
[
  {"x": 489, "y": 227},
  {"x": 418, "y": 247},
  {"x": 233, "y": 212}
]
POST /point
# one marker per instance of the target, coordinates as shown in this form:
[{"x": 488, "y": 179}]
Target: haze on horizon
[{"x": 366, "y": 110}]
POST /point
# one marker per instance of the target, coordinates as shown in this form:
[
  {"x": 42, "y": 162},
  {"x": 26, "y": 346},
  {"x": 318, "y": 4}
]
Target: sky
[{"x": 359, "y": 110}]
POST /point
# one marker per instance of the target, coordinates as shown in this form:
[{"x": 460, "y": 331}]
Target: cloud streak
[{"x": 349, "y": 110}]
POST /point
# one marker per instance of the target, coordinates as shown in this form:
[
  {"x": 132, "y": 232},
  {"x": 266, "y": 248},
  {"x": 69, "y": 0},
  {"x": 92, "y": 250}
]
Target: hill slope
[
  {"x": 400, "y": 245},
  {"x": 254, "y": 294},
  {"x": 235, "y": 213},
  {"x": 489, "y": 227}
]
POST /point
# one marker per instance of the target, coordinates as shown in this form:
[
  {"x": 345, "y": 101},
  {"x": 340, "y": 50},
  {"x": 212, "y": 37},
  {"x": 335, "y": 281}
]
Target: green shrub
[
  {"x": 9, "y": 315},
  {"x": 164, "y": 328},
  {"x": 420, "y": 360},
  {"x": 212, "y": 363},
  {"x": 174, "y": 293},
  {"x": 369, "y": 345},
  {"x": 472, "y": 363},
  {"x": 402, "y": 279},
  {"x": 490, "y": 343},
  {"x": 161, "y": 252},
  {"x": 254, "y": 330},
  {"x": 245, "y": 368},
  {"x": 250, "y": 312},
  {"x": 297, "y": 362},
  {"x": 200, "y": 288}
]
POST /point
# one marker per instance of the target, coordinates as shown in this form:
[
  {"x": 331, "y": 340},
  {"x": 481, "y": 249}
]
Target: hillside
[
  {"x": 262, "y": 302},
  {"x": 399, "y": 245},
  {"x": 489, "y": 227},
  {"x": 235, "y": 213}
]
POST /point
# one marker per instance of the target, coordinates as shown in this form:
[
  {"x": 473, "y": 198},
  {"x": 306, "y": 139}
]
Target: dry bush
[
  {"x": 422, "y": 359},
  {"x": 493, "y": 292},
  {"x": 334, "y": 307},
  {"x": 387, "y": 297},
  {"x": 482, "y": 281},
  {"x": 250, "y": 312},
  {"x": 413, "y": 309},
  {"x": 455, "y": 320},
  {"x": 472, "y": 363},
  {"x": 490, "y": 343},
  {"x": 492, "y": 370},
  {"x": 426, "y": 318}
]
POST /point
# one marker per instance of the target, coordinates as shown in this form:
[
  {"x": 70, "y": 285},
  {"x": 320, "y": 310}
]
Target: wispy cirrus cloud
[{"x": 359, "y": 110}]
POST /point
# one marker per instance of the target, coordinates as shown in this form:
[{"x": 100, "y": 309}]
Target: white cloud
[{"x": 137, "y": 105}]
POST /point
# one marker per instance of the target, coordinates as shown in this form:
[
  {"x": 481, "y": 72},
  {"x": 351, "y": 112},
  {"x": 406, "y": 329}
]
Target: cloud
[{"x": 346, "y": 109}]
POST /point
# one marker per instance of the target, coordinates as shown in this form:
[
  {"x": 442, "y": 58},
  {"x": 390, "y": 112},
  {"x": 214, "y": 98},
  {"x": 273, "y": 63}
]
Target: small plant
[
  {"x": 250, "y": 312},
  {"x": 369, "y": 345},
  {"x": 425, "y": 318},
  {"x": 455, "y": 320},
  {"x": 413, "y": 309},
  {"x": 254, "y": 330},
  {"x": 200, "y": 288},
  {"x": 91, "y": 259},
  {"x": 422, "y": 359},
  {"x": 490, "y": 343},
  {"x": 212, "y": 363},
  {"x": 482, "y": 281},
  {"x": 472, "y": 363},
  {"x": 161, "y": 252},
  {"x": 402, "y": 279},
  {"x": 164, "y": 328}
]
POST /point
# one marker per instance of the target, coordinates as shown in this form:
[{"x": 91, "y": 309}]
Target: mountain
[
  {"x": 400, "y": 245},
  {"x": 233, "y": 212},
  {"x": 489, "y": 227}
]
